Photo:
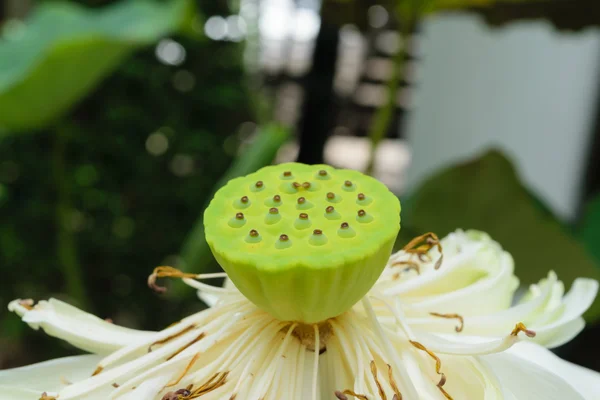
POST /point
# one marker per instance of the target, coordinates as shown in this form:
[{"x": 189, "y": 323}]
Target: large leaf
[
  {"x": 486, "y": 194},
  {"x": 64, "y": 50}
]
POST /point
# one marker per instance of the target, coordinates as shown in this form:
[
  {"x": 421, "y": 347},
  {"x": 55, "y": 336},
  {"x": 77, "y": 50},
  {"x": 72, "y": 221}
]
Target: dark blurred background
[{"x": 120, "y": 118}]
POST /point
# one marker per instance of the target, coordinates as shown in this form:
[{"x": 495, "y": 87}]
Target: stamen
[
  {"x": 520, "y": 327},
  {"x": 340, "y": 395},
  {"x": 301, "y": 200},
  {"x": 306, "y": 185},
  {"x": 397, "y": 394},
  {"x": 409, "y": 265},
  {"x": 287, "y": 173},
  {"x": 358, "y": 396},
  {"x": 438, "y": 366},
  {"x": 185, "y": 371},
  {"x": 45, "y": 396},
  {"x": 323, "y": 172},
  {"x": 259, "y": 184},
  {"x": 405, "y": 380},
  {"x": 379, "y": 387},
  {"x": 168, "y": 339},
  {"x": 164, "y": 272},
  {"x": 98, "y": 370},
  {"x": 461, "y": 320},
  {"x": 421, "y": 246},
  {"x": 239, "y": 216},
  {"x": 209, "y": 386},
  {"x": 196, "y": 340},
  {"x": 316, "y": 362}
]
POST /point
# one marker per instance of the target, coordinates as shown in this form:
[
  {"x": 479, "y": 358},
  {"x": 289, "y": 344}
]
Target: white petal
[
  {"x": 525, "y": 380},
  {"x": 585, "y": 381},
  {"x": 49, "y": 376},
  {"x": 77, "y": 327},
  {"x": 559, "y": 330},
  {"x": 12, "y": 393}
]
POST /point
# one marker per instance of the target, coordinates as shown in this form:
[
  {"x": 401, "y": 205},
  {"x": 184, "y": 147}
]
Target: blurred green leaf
[
  {"x": 64, "y": 50},
  {"x": 195, "y": 253},
  {"x": 486, "y": 194}
]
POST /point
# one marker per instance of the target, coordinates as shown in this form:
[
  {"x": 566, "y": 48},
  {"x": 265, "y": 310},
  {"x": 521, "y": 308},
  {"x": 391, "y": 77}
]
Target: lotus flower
[{"x": 439, "y": 322}]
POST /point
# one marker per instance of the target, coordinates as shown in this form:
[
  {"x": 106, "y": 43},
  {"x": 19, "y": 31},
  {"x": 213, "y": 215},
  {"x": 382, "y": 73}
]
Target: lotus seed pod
[{"x": 303, "y": 264}]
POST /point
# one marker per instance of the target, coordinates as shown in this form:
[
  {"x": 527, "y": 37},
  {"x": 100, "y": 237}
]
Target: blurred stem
[
  {"x": 65, "y": 243},
  {"x": 385, "y": 115}
]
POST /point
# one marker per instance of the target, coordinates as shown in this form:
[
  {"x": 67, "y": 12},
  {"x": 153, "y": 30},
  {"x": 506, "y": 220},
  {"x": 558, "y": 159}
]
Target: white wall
[{"x": 525, "y": 87}]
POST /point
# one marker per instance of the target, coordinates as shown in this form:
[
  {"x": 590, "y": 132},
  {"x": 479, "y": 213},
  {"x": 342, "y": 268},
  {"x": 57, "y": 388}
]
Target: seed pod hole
[
  {"x": 284, "y": 242},
  {"x": 345, "y": 231},
  {"x": 331, "y": 213},
  {"x": 318, "y": 238},
  {"x": 333, "y": 198},
  {"x": 273, "y": 216},
  {"x": 349, "y": 186},
  {"x": 286, "y": 175},
  {"x": 363, "y": 200},
  {"x": 303, "y": 204},
  {"x": 253, "y": 237},
  {"x": 242, "y": 202},
  {"x": 237, "y": 221},
  {"x": 363, "y": 217}
]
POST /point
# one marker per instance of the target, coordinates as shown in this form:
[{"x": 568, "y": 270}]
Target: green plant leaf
[
  {"x": 486, "y": 194},
  {"x": 195, "y": 252},
  {"x": 64, "y": 50}
]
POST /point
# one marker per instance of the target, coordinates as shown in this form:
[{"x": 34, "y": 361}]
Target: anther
[
  {"x": 361, "y": 196},
  {"x": 239, "y": 216},
  {"x": 361, "y": 213},
  {"x": 303, "y": 216},
  {"x": 306, "y": 185},
  {"x": 284, "y": 238},
  {"x": 254, "y": 233},
  {"x": 329, "y": 209},
  {"x": 301, "y": 200},
  {"x": 323, "y": 172},
  {"x": 344, "y": 225},
  {"x": 259, "y": 184},
  {"x": 244, "y": 199},
  {"x": 296, "y": 185},
  {"x": 348, "y": 183},
  {"x": 273, "y": 210},
  {"x": 317, "y": 232},
  {"x": 277, "y": 198},
  {"x": 331, "y": 195},
  {"x": 287, "y": 173}
]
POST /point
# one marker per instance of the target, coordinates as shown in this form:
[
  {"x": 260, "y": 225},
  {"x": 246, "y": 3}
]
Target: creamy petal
[
  {"x": 49, "y": 376},
  {"x": 525, "y": 380},
  {"x": 585, "y": 381},
  {"x": 77, "y": 327}
]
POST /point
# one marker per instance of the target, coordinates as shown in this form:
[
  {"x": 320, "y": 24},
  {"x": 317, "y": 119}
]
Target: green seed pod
[{"x": 303, "y": 264}]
